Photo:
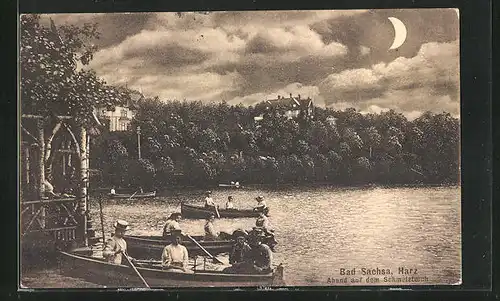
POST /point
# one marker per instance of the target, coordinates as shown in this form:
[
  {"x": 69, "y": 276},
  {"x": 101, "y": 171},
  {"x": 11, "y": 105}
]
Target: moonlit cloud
[{"x": 339, "y": 58}]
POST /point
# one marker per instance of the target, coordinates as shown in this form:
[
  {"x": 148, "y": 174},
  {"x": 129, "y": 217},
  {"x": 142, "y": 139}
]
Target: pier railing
[{"x": 58, "y": 219}]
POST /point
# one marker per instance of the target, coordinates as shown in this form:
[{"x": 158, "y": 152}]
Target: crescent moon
[{"x": 399, "y": 32}]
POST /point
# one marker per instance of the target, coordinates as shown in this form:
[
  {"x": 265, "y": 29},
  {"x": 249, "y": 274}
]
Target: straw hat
[{"x": 121, "y": 224}]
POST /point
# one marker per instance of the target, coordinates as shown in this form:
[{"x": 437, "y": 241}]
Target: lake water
[{"x": 321, "y": 231}]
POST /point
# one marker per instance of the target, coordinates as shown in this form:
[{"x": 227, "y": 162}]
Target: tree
[
  {"x": 53, "y": 87},
  {"x": 50, "y": 81}
]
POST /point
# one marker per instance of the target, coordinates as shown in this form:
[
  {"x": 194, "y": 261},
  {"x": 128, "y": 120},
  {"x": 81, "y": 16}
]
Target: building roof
[{"x": 289, "y": 102}]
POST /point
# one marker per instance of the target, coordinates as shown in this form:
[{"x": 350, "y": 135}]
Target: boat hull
[
  {"x": 199, "y": 212},
  {"x": 147, "y": 247},
  {"x": 97, "y": 271}
]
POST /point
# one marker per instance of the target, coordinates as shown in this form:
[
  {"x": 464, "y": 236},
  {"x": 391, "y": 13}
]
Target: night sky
[{"x": 339, "y": 58}]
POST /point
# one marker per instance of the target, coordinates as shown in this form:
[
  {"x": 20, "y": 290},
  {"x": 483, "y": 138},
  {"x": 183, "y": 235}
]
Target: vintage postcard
[{"x": 240, "y": 149}]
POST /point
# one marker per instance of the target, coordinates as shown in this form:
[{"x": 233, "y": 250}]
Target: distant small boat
[
  {"x": 230, "y": 185},
  {"x": 192, "y": 211},
  {"x": 140, "y": 195}
]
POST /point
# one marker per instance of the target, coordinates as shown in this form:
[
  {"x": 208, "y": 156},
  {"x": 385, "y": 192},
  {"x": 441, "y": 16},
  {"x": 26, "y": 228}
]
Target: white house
[{"x": 118, "y": 119}]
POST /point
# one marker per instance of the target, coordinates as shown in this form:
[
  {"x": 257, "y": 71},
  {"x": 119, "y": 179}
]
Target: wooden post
[
  {"x": 139, "y": 142},
  {"x": 63, "y": 156},
  {"x": 87, "y": 149},
  {"x": 83, "y": 184},
  {"x": 27, "y": 163},
  {"x": 41, "y": 167}
]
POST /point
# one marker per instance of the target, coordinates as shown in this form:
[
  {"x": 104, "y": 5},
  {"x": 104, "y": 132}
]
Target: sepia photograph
[{"x": 256, "y": 149}]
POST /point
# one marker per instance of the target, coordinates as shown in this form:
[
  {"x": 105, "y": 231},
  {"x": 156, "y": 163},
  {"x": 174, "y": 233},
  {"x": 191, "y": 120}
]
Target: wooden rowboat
[
  {"x": 146, "y": 247},
  {"x": 194, "y": 212},
  {"x": 97, "y": 270},
  {"x": 132, "y": 196},
  {"x": 152, "y": 246}
]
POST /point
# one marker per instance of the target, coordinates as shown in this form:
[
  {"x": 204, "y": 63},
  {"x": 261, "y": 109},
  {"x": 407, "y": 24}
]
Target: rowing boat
[
  {"x": 230, "y": 186},
  {"x": 97, "y": 270},
  {"x": 132, "y": 196},
  {"x": 194, "y": 212},
  {"x": 152, "y": 246}
]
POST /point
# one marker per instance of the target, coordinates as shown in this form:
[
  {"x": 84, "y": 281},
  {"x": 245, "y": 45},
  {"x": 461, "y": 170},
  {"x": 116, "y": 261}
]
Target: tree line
[{"x": 197, "y": 144}]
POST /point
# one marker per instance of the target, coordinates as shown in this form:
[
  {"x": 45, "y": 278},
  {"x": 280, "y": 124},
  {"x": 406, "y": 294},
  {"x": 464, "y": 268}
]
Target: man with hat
[
  {"x": 209, "y": 202},
  {"x": 240, "y": 257},
  {"x": 261, "y": 254},
  {"x": 172, "y": 224},
  {"x": 261, "y": 205},
  {"x": 175, "y": 255},
  {"x": 116, "y": 245}
]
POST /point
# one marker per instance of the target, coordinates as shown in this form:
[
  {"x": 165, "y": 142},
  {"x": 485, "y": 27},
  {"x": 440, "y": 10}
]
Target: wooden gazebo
[{"x": 54, "y": 182}]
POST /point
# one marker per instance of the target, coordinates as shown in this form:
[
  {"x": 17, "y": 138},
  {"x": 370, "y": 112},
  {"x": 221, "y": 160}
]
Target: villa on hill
[{"x": 291, "y": 107}]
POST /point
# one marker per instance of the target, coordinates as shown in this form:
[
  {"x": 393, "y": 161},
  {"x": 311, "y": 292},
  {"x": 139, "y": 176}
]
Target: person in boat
[
  {"x": 113, "y": 191},
  {"x": 175, "y": 255},
  {"x": 262, "y": 255},
  {"x": 210, "y": 232},
  {"x": 269, "y": 238},
  {"x": 240, "y": 257},
  {"x": 263, "y": 222},
  {"x": 172, "y": 224},
  {"x": 229, "y": 203},
  {"x": 241, "y": 251},
  {"x": 116, "y": 246},
  {"x": 261, "y": 205},
  {"x": 235, "y": 184},
  {"x": 209, "y": 202}
]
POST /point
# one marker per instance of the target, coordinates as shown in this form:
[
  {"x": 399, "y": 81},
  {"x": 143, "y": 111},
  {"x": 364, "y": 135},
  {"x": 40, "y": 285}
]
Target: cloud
[
  {"x": 297, "y": 41},
  {"x": 203, "y": 86},
  {"x": 428, "y": 81},
  {"x": 340, "y": 56}
]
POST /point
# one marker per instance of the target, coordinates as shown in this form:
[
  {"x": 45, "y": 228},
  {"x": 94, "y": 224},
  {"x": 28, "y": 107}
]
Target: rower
[
  {"x": 175, "y": 255},
  {"x": 172, "y": 224},
  {"x": 209, "y": 202},
  {"x": 210, "y": 233},
  {"x": 229, "y": 203},
  {"x": 116, "y": 245},
  {"x": 261, "y": 205}
]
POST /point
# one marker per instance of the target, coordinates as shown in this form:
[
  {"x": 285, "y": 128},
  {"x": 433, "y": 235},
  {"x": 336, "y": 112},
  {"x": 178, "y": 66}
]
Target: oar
[
  {"x": 135, "y": 269},
  {"x": 217, "y": 211},
  {"x": 132, "y": 195},
  {"x": 203, "y": 249}
]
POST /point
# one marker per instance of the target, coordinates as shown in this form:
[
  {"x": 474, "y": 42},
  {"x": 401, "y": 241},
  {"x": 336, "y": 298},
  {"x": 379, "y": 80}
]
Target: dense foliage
[
  {"x": 197, "y": 144},
  {"x": 51, "y": 82}
]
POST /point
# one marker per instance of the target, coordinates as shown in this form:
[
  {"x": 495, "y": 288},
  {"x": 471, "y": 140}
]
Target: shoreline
[{"x": 162, "y": 190}]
